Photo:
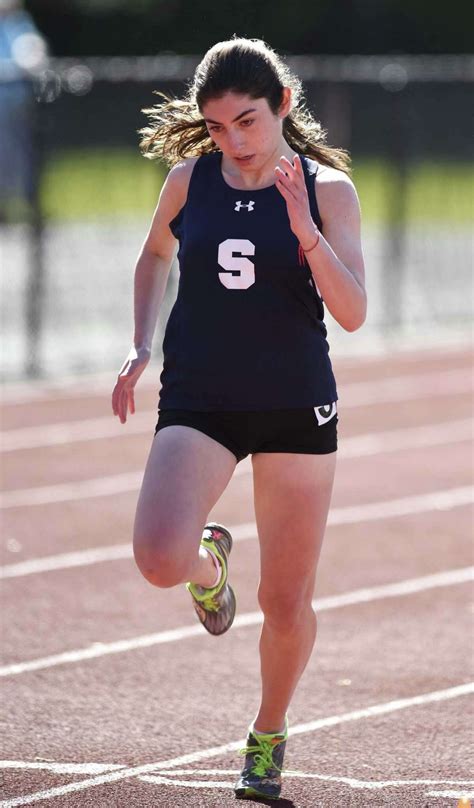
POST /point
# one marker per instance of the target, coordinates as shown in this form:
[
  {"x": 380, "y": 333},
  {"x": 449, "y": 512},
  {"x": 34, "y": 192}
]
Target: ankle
[
  {"x": 217, "y": 569},
  {"x": 259, "y": 727},
  {"x": 211, "y": 577}
]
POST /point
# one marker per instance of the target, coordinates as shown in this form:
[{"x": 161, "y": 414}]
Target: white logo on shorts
[{"x": 325, "y": 413}]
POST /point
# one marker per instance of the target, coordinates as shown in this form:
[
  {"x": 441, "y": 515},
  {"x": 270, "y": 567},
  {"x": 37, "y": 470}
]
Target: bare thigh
[
  {"x": 185, "y": 475},
  {"x": 292, "y": 495}
]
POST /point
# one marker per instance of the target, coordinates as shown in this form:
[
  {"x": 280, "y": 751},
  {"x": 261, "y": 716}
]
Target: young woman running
[{"x": 268, "y": 226}]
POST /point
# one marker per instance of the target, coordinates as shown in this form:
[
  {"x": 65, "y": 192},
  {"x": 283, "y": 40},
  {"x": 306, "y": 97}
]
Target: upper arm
[
  {"x": 160, "y": 240},
  {"x": 339, "y": 209}
]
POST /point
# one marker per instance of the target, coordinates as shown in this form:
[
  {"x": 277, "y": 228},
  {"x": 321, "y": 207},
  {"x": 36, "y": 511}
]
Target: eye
[
  {"x": 247, "y": 122},
  {"x": 214, "y": 128}
]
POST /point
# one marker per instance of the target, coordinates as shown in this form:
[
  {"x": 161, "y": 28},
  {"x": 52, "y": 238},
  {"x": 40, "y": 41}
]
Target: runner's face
[{"x": 243, "y": 128}]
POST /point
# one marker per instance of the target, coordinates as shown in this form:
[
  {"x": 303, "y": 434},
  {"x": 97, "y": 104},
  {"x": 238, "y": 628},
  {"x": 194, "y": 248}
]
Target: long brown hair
[{"x": 244, "y": 66}]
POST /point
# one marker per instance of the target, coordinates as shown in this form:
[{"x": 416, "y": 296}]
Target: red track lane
[{"x": 152, "y": 705}]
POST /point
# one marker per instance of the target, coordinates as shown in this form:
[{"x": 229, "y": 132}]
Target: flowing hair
[{"x": 244, "y": 66}]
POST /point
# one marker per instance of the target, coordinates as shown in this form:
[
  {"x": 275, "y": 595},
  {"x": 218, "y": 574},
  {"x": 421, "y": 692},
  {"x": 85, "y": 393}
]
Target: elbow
[
  {"x": 354, "y": 325},
  {"x": 351, "y": 327},
  {"x": 356, "y": 320}
]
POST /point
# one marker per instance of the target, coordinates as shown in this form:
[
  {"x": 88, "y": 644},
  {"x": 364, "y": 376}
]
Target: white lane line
[
  {"x": 63, "y": 561},
  {"x": 218, "y": 751},
  {"x": 96, "y": 555},
  {"x": 353, "y": 782},
  {"x": 351, "y": 514},
  {"x": 84, "y": 386},
  {"x": 172, "y": 777},
  {"x": 393, "y": 440},
  {"x": 381, "y": 709},
  {"x": 358, "y": 446},
  {"x": 124, "y": 483},
  {"x": 127, "y": 482},
  {"x": 65, "y": 768},
  {"x": 396, "y": 440},
  {"x": 87, "y": 429},
  {"x": 433, "y": 501},
  {"x": 406, "y": 388},
  {"x": 409, "y": 586},
  {"x": 365, "y": 785},
  {"x": 70, "y": 492},
  {"x": 355, "y": 394},
  {"x": 159, "y": 780}
]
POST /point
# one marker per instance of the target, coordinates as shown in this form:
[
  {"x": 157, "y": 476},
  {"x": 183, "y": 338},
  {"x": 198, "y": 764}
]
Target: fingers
[
  {"x": 123, "y": 405},
  {"x": 123, "y": 409},
  {"x": 115, "y": 398},
  {"x": 131, "y": 400},
  {"x": 123, "y": 396},
  {"x": 123, "y": 399},
  {"x": 283, "y": 186},
  {"x": 285, "y": 172},
  {"x": 120, "y": 394},
  {"x": 293, "y": 170},
  {"x": 118, "y": 408},
  {"x": 291, "y": 177}
]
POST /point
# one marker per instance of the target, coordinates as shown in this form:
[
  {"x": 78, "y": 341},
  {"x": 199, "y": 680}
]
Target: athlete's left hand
[{"x": 291, "y": 183}]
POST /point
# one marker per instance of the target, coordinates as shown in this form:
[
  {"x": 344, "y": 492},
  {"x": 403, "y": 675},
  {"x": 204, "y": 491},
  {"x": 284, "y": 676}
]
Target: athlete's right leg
[{"x": 186, "y": 473}]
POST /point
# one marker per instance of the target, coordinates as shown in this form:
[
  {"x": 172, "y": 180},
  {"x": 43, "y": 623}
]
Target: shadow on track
[{"x": 281, "y": 803}]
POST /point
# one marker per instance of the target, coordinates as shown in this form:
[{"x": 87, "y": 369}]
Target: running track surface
[{"x": 113, "y": 694}]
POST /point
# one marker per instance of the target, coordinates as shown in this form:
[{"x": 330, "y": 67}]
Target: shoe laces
[
  {"x": 210, "y": 603},
  {"x": 263, "y": 756}
]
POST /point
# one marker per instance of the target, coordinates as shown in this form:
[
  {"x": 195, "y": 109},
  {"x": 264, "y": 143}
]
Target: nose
[{"x": 236, "y": 142}]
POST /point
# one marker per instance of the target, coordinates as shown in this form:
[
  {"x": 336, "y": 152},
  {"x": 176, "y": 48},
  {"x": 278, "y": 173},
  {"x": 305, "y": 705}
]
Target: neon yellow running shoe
[
  {"x": 261, "y": 775},
  {"x": 215, "y": 607}
]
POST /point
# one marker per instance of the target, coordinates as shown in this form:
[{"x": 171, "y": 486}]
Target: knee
[
  {"x": 286, "y": 611},
  {"x": 158, "y": 561}
]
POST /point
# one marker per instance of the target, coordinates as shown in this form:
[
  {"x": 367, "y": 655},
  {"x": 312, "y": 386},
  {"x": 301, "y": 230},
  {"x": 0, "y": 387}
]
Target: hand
[
  {"x": 123, "y": 397},
  {"x": 291, "y": 183}
]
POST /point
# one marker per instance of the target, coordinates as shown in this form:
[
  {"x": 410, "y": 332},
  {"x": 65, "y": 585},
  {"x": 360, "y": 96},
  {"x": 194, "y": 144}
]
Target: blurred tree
[{"x": 111, "y": 27}]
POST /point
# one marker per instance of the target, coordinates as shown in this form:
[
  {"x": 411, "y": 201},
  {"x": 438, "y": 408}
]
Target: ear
[{"x": 285, "y": 105}]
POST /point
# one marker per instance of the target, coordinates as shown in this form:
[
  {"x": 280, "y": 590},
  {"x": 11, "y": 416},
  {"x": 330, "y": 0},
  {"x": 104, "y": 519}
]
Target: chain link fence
[{"x": 76, "y": 199}]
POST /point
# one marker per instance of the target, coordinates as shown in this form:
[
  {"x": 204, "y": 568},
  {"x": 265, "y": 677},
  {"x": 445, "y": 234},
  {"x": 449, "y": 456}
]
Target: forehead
[{"x": 232, "y": 104}]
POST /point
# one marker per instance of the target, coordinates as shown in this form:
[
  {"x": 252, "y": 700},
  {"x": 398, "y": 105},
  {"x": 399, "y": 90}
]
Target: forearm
[
  {"x": 343, "y": 295},
  {"x": 341, "y": 282},
  {"x": 151, "y": 276}
]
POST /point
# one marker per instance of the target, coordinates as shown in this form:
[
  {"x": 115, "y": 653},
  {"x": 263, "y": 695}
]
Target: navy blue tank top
[{"x": 247, "y": 329}]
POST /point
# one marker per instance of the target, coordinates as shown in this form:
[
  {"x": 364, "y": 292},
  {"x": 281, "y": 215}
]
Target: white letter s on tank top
[{"x": 236, "y": 263}]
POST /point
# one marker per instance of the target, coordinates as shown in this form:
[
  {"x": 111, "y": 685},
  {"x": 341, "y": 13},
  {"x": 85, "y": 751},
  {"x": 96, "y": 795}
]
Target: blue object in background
[{"x": 23, "y": 53}]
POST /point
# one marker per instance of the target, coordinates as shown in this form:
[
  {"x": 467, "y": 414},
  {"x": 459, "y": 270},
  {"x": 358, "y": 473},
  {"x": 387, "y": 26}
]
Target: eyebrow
[{"x": 246, "y": 112}]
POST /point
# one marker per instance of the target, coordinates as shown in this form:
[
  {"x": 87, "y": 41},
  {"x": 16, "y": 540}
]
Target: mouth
[{"x": 246, "y": 159}]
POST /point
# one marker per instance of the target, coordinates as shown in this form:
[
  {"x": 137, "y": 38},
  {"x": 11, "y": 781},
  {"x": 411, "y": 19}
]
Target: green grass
[
  {"x": 102, "y": 183},
  {"x": 92, "y": 184},
  {"x": 432, "y": 192}
]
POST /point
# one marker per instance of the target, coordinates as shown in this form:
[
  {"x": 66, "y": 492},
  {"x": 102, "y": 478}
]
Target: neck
[{"x": 264, "y": 173}]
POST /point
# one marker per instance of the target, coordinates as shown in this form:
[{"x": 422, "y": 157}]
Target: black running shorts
[{"x": 300, "y": 431}]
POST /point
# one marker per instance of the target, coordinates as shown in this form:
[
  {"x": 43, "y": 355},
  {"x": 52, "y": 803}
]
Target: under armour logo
[{"x": 249, "y": 205}]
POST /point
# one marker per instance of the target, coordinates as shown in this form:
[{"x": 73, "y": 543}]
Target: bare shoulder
[
  {"x": 182, "y": 171},
  {"x": 177, "y": 182},
  {"x": 335, "y": 192},
  {"x": 160, "y": 239}
]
